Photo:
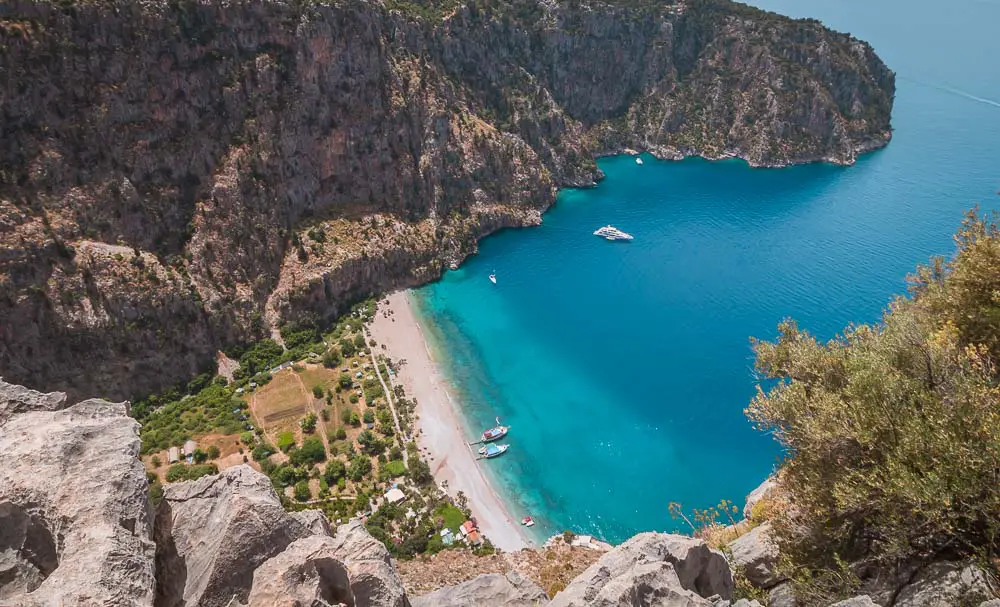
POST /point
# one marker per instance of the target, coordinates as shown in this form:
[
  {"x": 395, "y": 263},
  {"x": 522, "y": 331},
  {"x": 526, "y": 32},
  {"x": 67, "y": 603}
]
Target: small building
[
  {"x": 189, "y": 447},
  {"x": 447, "y": 537},
  {"x": 394, "y": 495},
  {"x": 467, "y": 528},
  {"x": 173, "y": 455},
  {"x": 474, "y": 538}
]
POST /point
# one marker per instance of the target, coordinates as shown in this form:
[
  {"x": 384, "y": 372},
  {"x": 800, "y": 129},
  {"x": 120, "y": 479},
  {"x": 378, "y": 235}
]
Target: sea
[{"x": 624, "y": 369}]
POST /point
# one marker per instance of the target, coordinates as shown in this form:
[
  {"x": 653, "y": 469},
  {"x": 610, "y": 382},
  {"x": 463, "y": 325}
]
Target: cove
[{"x": 624, "y": 368}]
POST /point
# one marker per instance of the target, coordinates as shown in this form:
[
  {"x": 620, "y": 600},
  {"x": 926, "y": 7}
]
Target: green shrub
[
  {"x": 308, "y": 423},
  {"x": 183, "y": 472},
  {"x": 286, "y": 440},
  {"x": 302, "y": 491},
  {"x": 891, "y": 429},
  {"x": 317, "y": 392},
  {"x": 335, "y": 471},
  {"x": 359, "y": 467},
  {"x": 262, "y": 451},
  {"x": 311, "y": 451}
]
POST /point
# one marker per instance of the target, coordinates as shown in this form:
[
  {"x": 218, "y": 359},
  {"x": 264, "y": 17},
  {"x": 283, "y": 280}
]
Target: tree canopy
[{"x": 892, "y": 430}]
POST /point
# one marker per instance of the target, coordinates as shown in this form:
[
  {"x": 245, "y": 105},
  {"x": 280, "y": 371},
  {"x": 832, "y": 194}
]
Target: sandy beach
[{"x": 442, "y": 438}]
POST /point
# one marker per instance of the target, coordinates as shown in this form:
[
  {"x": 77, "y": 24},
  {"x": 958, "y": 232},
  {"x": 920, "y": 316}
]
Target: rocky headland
[{"x": 180, "y": 177}]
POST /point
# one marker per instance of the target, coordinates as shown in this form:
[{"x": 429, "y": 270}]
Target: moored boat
[
  {"x": 493, "y": 277},
  {"x": 527, "y": 521},
  {"x": 495, "y": 433},
  {"x": 492, "y": 450}
]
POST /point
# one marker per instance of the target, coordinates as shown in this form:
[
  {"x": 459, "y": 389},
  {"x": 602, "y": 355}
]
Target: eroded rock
[
  {"x": 75, "y": 521},
  {"x": 487, "y": 590},
  {"x": 374, "y": 580},
  {"x": 212, "y": 534},
  {"x": 307, "y": 573},
  {"x": 757, "y": 554},
  {"x": 652, "y": 569},
  {"x": 858, "y": 601}
]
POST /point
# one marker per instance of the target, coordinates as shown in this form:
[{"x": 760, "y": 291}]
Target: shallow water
[{"x": 624, "y": 368}]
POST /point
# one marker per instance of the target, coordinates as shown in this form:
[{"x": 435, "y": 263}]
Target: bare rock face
[
  {"x": 487, "y": 590},
  {"x": 757, "y": 554},
  {"x": 652, "y": 569},
  {"x": 213, "y": 533},
  {"x": 75, "y": 521},
  {"x": 763, "y": 490},
  {"x": 374, "y": 580},
  {"x": 941, "y": 584},
  {"x": 307, "y": 573},
  {"x": 858, "y": 601}
]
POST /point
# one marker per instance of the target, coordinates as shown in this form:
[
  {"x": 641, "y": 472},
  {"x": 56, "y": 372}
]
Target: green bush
[
  {"x": 286, "y": 440},
  {"x": 892, "y": 429},
  {"x": 262, "y": 451},
  {"x": 394, "y": 468},
  {"x": 317, "y": 392},
  {"x": 359, "y": 467},
  {"x": 332, "y": 358},
  {"x": 335, "y": 470},
  {"x": 302, "y": 491},
  {"x": 308, "y": 423},
  {"x": 213, "y": 452},
  {"x": 183, "y": 472},
  {"x": 347, "y": 348},
  {"x": 311, "y": 451}
]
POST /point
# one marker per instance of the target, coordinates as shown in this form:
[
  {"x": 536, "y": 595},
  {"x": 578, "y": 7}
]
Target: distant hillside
[{"x": 181, "y": 176}]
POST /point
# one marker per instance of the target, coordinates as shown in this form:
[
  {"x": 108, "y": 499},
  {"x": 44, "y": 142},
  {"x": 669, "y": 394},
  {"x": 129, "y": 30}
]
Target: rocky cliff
[{"x": 177, "y": 176}]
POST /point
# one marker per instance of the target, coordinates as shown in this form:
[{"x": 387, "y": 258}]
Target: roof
[
  {"x": 467, "y": 527},
  {"x": 189, "y": 447},
  {"x": 394, "y": 496},
  {"x": 474, "y": 537}
]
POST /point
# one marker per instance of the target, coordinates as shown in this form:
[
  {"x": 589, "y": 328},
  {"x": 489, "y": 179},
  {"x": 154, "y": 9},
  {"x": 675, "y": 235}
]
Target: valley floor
[{"x": 440, "y": 436}]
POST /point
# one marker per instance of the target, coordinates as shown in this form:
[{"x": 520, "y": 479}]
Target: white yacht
[
  {"x": 638, "y": 160},
  {"x": 612, "y": 233},
  {"x": 493, "y": 277}
]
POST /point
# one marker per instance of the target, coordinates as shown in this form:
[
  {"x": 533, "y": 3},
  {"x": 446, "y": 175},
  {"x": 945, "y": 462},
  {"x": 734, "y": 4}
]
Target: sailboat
[{"x": 493, "y": 277}]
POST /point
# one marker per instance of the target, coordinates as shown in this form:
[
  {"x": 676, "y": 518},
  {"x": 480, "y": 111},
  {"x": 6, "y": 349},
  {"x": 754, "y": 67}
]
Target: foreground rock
[
  {"x": 488, "y": 590},
  {"x": 212, "y": 533},
  {"x": 757, "y": 554},
  {"x": 938, "y": 584},
  {"x": 75, "y": 523},
  {"x": 374, "y": 580},
  {"x": 307, "y": 573},
  {"x": 652, "y": 569}
]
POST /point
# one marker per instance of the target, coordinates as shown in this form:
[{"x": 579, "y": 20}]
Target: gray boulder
[
  {"x": 757, "y": 554},
  {"x": 314, "y": 520},
  {"x": 782, "y": 596},
  {"x": 75, "y": 520},
  {"x": 212, "y": 533},
  {"x": 859, "y": 601},
  {"x": 487, "y": 590},
  {"x": 945, "y": 584},
  {"x": 374, "y": 580},
  {"x": 305, "y": 574},
  {"x": 990, "y": 603},
  {"x": 652, "y": 569}
]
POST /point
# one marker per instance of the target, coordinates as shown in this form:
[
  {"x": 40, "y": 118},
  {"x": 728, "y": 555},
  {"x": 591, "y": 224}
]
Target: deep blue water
[{"x": 624, "y": 369}]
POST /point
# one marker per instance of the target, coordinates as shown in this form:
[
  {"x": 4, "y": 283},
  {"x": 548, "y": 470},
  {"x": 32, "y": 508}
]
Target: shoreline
[{"x": 440, "y": 434}]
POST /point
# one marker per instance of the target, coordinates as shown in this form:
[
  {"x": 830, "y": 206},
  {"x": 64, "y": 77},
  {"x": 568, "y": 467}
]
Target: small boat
[
  {"x": 638, "y": 160},
  {"x": 492, "y": 450},
  {"x": 527, "y": 521},
  {"x": 493, "y": 277},
  {"x": 612, "y": 233},
  {"x": 495, "y": 433}
]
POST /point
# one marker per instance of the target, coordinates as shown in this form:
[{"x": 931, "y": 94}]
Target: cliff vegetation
[{"x": 892, "y": 430}]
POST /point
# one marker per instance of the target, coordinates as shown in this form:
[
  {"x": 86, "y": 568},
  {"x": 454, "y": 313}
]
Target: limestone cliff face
[{"x": 177, "y": 176}]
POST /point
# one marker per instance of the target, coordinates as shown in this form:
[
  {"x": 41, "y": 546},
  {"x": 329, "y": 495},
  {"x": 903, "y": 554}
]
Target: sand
[{"x": 440, "y": 437}]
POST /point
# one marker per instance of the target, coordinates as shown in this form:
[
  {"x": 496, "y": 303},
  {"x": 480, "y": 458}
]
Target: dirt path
[
  {"x": 388, "y": 397},
  {"x": 252, "y": 401},
  {"x": 311, "y": 404}
]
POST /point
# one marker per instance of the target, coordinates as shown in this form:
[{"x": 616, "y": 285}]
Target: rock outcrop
[
  {"x": 306, "y": 573},
  {"x": 487, "y": 590},
  {"x": 180, "y": 176},
  {"x": 937, "y": 584},
  {"x": 756, "y": 555},
  {"x": 374, "y": 580},
  {"x": 213, "y": 533},
  {"x": 652, "y": 569},
  {"x": 75, "y": 521}
]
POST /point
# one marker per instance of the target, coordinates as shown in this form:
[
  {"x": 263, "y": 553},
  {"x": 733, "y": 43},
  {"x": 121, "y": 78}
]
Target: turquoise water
[{"x": 624, "y": 368}]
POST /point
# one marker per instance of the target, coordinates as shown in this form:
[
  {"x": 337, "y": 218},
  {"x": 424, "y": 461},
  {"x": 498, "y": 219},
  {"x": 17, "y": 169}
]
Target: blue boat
[{"x": 492, "y": 450}]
